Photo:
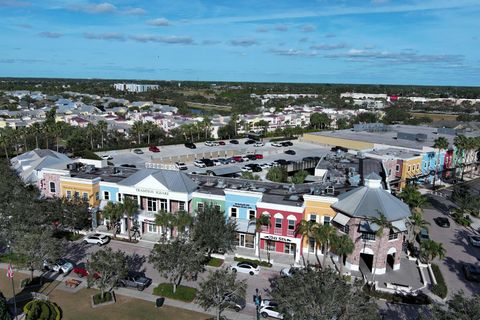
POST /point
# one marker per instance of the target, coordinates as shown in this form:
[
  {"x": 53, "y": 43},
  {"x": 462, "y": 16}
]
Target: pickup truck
[{"x": 135, "y": 281}]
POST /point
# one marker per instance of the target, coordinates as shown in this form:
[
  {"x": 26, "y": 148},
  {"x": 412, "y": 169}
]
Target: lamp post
[{"x": 258, "y": 300}]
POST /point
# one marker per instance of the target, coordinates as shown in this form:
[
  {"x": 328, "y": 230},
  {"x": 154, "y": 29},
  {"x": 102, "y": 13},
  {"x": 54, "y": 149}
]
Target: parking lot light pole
[{"x": 258, "y": 300}]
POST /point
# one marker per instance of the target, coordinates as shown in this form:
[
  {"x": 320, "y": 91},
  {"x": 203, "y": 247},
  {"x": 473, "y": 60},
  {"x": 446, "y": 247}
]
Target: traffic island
[
  {"x": 98, "y": 300},
  {"x": 183, "y": 293}
]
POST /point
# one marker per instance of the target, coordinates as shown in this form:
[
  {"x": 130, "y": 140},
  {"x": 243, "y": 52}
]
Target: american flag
[{"x": 10, "y": 271}]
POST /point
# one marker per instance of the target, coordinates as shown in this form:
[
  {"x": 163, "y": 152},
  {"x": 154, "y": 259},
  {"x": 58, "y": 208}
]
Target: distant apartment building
[{"x": 134, "y": 87}]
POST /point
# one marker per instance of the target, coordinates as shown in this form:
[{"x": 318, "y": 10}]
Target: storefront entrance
[{"x": 245, "y": 240}]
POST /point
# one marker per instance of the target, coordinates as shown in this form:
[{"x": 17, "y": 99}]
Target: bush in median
[
  {"x": 39, "y": 309},
  {"x": 184, "y": 293},
  {"x": 440, "y": 289}
]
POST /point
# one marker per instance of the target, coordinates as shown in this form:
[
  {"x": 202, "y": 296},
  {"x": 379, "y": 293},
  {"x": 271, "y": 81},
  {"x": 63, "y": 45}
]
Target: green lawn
[
  {"x": 183, "y": 293},
  {"x": 76, "y": 306},
  {"x": 215, "y": 262}
]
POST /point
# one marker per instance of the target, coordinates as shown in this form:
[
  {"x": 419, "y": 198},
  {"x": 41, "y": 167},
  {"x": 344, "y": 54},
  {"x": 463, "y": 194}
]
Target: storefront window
[
  {"x": 251, "y": 214},
  {"x": 289, "y": 248},
  {"x": 151, "y": 204},
  {"x": 52, "y": 187},
  {"x": 85, "y": 196},
  {"x": 313, "y": 217},
  {"x": 69, "y": 194},
  {"x": 278, "y": 223},
  {"x": 326, "y": 221},
  {"x": 249, "y": 241},
  {"x": 106, "y": 195},
  {"x": 270, "y": 245},
  {"x": 152, "y": 228},
  {"x": 233, "y": 213},
  {"x": 311, "y": 244},
  {"x": 163, "y": 205},
  {"x": 181, "y": 206},
  {"x": 200, "y": 206}
]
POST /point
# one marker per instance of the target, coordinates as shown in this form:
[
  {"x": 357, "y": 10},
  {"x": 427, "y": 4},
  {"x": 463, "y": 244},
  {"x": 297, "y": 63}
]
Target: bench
[{"x": 72, "y": 283}]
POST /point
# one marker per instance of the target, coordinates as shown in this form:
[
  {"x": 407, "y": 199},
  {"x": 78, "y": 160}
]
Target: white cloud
[
  {"x": 105, "y": 36},
  {"x": 159, "y": 22},
  {"x": 134, "y": 11},
  {"x": 308, "y": 28},
  {"x": 51, "y": 35},
  {"x": 243, "y": 42},
  {"x": 14, "y": 3},
  {"x": 324, "y": 46},
  {"x": 162, "y": 39}
]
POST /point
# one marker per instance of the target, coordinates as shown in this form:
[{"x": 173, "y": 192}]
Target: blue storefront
[{"x": 432, "y": 162}]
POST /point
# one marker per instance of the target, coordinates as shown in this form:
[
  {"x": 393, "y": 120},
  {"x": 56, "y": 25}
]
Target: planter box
[{"x": 114, "y": 300}]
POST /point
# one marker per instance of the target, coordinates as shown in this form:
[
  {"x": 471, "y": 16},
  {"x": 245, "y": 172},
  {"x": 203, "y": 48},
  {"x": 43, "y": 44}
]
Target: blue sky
[{"x": 335, "y": 41}]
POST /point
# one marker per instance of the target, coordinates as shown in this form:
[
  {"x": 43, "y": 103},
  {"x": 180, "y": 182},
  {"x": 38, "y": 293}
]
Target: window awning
[
  {"x": 399, "y": 225},
  {"x": 369, "y": 227},
  {"x": 341, "y": 219}
]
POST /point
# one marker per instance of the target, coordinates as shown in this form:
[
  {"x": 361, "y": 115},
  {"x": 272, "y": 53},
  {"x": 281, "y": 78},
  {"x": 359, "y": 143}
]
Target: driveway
[{"x": 458, "y": 252}]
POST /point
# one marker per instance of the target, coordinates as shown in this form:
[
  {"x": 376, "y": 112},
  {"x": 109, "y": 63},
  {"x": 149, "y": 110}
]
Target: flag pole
[{"x": 10, "y": 275}]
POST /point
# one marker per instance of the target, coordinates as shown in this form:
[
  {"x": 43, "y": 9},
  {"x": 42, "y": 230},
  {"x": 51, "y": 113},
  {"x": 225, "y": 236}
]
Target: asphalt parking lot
[
  {"x": 458, "y": 252},
  {"x": 168, "y": 155}
]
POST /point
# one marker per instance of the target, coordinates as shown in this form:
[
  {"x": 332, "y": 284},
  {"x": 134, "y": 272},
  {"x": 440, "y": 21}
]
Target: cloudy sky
[{"x": 340, "y": 41}]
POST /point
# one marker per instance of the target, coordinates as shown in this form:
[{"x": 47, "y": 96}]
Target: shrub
[
  {"x": 440, "y": 289},
  {"x": 420, "y": 299},
  {"x": 215, "y": 262},
  {"x": 183, "y": 293},
  {"x": 37, "y": 281},
  {"x": 98, "y": 298},
  {"x": 44, "y": 310},
  {"x": 12, "y": 258},
  {"x": 260, "y": 263},
  {"x": 67, "y": 235}
]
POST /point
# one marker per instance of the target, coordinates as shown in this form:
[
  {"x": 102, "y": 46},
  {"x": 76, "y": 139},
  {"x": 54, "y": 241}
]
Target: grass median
[{"x": 183, "y": 293}]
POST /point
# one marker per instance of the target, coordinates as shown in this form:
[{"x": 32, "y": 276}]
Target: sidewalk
[{"x": 143, "y": 295}]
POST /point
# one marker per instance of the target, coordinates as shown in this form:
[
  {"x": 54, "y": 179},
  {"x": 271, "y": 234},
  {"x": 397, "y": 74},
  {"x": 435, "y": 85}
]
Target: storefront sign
[
  {"x": 275, "y": 238},
  {"x": 242, "y": 205},
  {"x": 150, "y": 191}
]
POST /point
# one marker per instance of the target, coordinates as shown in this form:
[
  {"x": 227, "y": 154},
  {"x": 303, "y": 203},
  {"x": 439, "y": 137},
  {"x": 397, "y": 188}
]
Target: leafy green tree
[
  {"x": 36, "y": 129},
  {"x": 102, "y": 127},
  {"x": 249, "y": 176},
  {"x": 342, "y": 246},
  {"x": 299, "y": 176},
  {"x": 383, "y": 224},
  {"x": 137, "y": 129},
  {"x": 323, "y": 295},
  {"x": 219, "y": 289},
  {"x": 148, "y": 128},
  {"x": 4, "y": 314},
  {"x": 165, "y": 220},
  {"x": 5, "y": 140},
  {"x": 109, "y": 265},
  {"x": 430, "y": 250},
  {"x": 177, "y": 259},
  {"x": 411, "y": 196},
  {"x": 277, "y": 174},
  {"x": 183, "y": 221},
  {"x": 212, "y": 232},
  {"x": 319, "y": 120},
  {"x": 458, "y": 307}
]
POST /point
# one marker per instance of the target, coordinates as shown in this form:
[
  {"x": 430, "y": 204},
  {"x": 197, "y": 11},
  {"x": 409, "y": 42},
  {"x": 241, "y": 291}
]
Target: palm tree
[
  {"x": 411, "y": 196},
  {"x": 91, "y": 131},
  {"x": 102, "y": 127},
  {"x": 137, "y": 128},
  {"x": 306, "y": 229},
  {"x": 129, "y": 208},
  {"x": 461, "y": 144},
  {"x": 342, "y": 246},
  {"x": 430, "y": 250},
  {"x": 260, "y": 222},
  {"x": 36, "y": 129},
  {"x": 57, "y": 130},
  {"x": 207, "y": 123},
  {"x": 323, "y": 236},
  {"x": 183, "y": 220},
  {"x": 164, "y": 219},
  {"x": 113, "y": 212},
  {"x": 417, "y": 223},
  {"x": 149, "y": 127},
  {"x": 5, "y": 140},
  {"x": 441, "y": 143}
]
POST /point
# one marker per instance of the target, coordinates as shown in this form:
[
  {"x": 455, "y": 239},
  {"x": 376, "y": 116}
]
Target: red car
[
  {"x": 82, "y": 272},
  {"x": 238, "y": 158},
  {"x": 154, "y": 149},
  {"x": 222, "y": 143},
  {"x": 259, "y": 156}
]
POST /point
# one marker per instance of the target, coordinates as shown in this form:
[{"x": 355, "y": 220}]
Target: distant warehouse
[{"x": 133, "y": 87}]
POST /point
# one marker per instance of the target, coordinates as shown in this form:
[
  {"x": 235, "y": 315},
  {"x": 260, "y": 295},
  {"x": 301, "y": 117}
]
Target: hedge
[
  {"x": 98, "y": 299},
  {"x": 440, "y": 289},
  {"x": 260, "y": 263},
  {"x": 43, "y": 310},
  {"x": 183, "y": 293}
]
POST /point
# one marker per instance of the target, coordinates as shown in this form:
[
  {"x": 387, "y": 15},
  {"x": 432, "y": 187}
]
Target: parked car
[
  {"x": 233, "y": 141},
  {"x": 210, "y": 143},
  {"x": 290, "y": 152},
  {"x": 287, "y": 144},
  {"x": 237, "y": 158},
  {"x": 281, "y": 162},
  {"x": 258, "y": 144},
  {"x": 82, "y": 272},
  {"x": 307, "y": 159},
  {"x": 137, "y": 151},
  {"x": 153, "y": 149},
  {"x": 245, "y": 267},
  {"x": 96, "y": 238},
  {"x": 271, "y": 312},
  {"x": 107, "y": 157},
  {"x": 181, "y": 166},
  {"x": 190, "y": 145},
  {"x": 289, "y": 272},
  {"x": 245, "y": 158},
  {"x": 423, "y": 235},
  {"x": 251, "y": 157},
  {"x": 474, "y": 241},
  {"x": 268, "y": 303},
  {"x": 471, "y": 272},
  {"x": 198, "y": 163},
  {"x": 60, "y": 266},
  {"x": 235, "y": 303},
  {"x": 207, "y": 162},
  {"x": 246, "y": 169},
  {"x": 276, "y": 144},
  {"x": 135, "y": 281},
  {"x": 216, "y": 162},
  {"x": 222, "y": 143},
  {"x": 250, "y": 141},
  {"x": 442, "y": 222},
  {"x": 225, "y": 160},
  {"x": 126, "y": 165},
  {"x": 258, "y": 156},
  {"x": 265, "y": 165}
]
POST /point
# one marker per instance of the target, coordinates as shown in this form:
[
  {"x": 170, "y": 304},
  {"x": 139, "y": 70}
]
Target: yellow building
[
  {"x": 409, "y": 167},
  {"x": 318, "y": 209},
  {"x": 81, "y": 188},
  {"x": 327, "y": 141}
]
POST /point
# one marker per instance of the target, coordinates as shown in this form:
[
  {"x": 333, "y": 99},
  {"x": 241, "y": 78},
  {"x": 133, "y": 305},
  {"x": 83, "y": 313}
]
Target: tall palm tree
[
  {"x": 430, "y": 250},
  {"x": 441, "y": 143},
  {"x": 36, "y": 129},
  {"x": 129, "y": 208},
  {"x": 164, "y": 220},
  {"x": 24, "y": 132},
  {"x": 323, "y": 236},
  {"x": 417, "y": 223},
  {"x": 137, "y": 128},
  {"x": 460, "y": 143},
  {"x": 58, "y": 129},
  {"x": 183, "y": 220},
  {"x": 206, "y": 123},
  {"x": 411, "y": 196},
  {"x": 260, "y": 222},
  {"x": 148, "y": 128},
  {"x": 5, "y": 140},
  {"x": 113, "y": 212},
  {"x": 102, "y": 127},
  {"x": 342, "y": 246},
  {"x": 306, "y": 229},
  {"x": 91, "y": 131}
]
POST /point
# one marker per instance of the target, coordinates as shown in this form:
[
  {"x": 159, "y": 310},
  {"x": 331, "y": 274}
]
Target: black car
[
  {"x": 251, "y": 157},
  {"x": 190, "y": 145},
  {"x": 308, "y": 159},
  {"x": 233, "y": 141},
  {"x": 287, "y": 144},
  {"x": 235, "y": 303},
  {"x": 281, "y": 162},
  {"x": 442, "y": 222},
  {"x": 208, "y": 162},
  {"x": 135, "y": 281},
  {"x": 290, "y": 152},
  {"x": 255, "y": 167},
  {"x": 126, "y": 165},
  {"x": 472, "y": 272},
  {"x": 250, "y": 141}
]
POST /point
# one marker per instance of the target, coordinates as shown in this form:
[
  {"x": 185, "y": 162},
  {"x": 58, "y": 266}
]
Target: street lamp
[{"x": 257, "y": 298}]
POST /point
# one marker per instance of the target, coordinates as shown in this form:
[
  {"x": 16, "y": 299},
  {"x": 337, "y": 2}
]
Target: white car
[
  {"x": 245, "y": 158},
  {"x": 259, "y": 144},
  {"x": 209, "y": 143},
  {"x": 245, "y": 267},
  {"x": 96, "y": 238},
  {"x": 246, "y": 169},
  {"x": 216, "y": 162},
  {"x": 276, "y": 144},
  {"x": 268, "y": 303},
  {"x": 200, "y": 164},
  {"x": 289, "y": 272},
  {"x": 474, "y": 240},
  {"x": 60, "y": 266},
  {"x": 107, "y": 157},
  {"x": 270, "y": 311},
  {"x": 265, "y": 165},
  {"x": 181, "y": 166}
]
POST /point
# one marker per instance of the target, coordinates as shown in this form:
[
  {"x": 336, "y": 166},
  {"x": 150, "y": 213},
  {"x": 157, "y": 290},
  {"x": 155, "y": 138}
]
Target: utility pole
[{"x": 258, "y": 300}]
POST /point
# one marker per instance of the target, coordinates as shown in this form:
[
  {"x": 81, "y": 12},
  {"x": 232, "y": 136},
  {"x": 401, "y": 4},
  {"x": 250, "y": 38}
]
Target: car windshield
[{"x": 475, "y": 238}]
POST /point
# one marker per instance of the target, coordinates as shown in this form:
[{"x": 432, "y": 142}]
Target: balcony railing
[
  {"x": 278, "y": 231},
  {"x": 290, "y": 233}
]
